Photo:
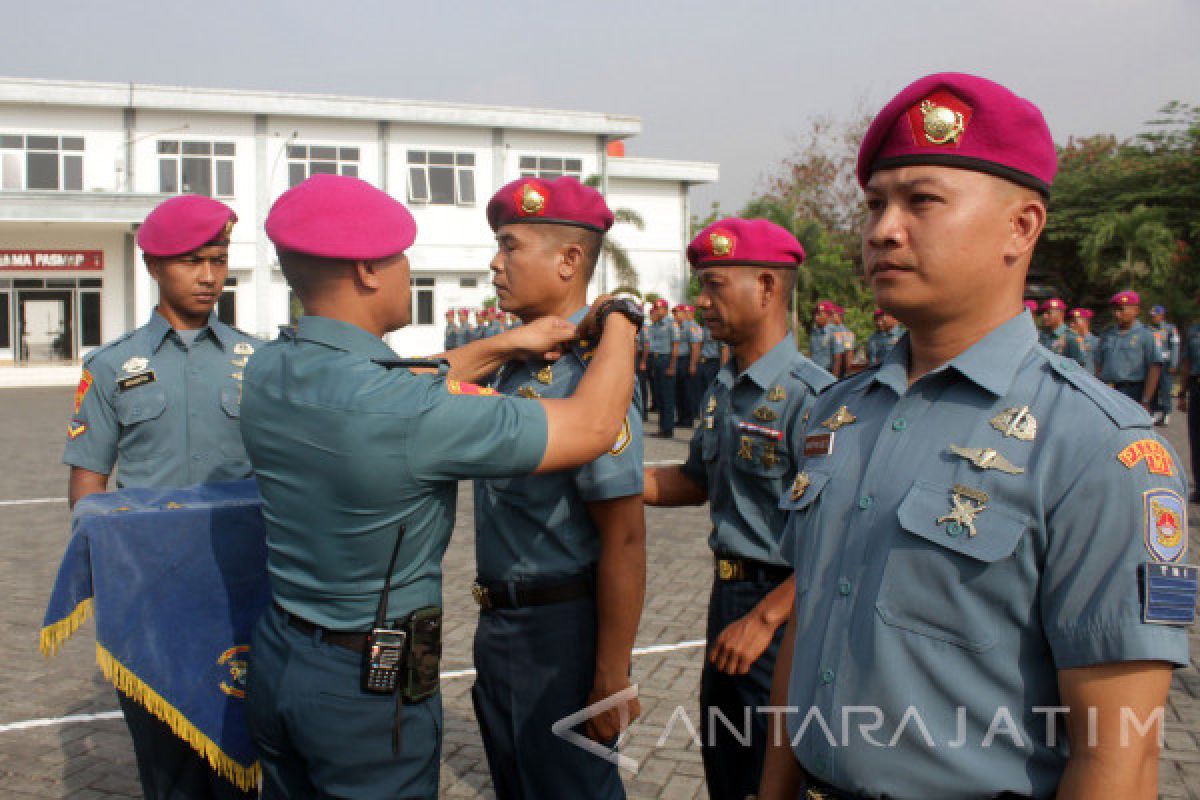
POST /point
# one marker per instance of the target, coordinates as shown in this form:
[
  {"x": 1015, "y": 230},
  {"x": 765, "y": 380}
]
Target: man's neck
[
  {"x": 181, "y": 321},
  {"x": 746, "y": 353},
  {"x": 562, "y": 307},
  {"x": 931, "y": 346}
]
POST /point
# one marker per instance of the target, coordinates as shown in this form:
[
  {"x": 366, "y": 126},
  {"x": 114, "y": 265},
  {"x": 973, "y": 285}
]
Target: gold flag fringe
[
  {"x": 245, "y": 778},
  {"x": 55, "y": 635}
]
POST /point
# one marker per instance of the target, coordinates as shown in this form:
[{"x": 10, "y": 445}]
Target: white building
[{"x": 81, "y": 164}]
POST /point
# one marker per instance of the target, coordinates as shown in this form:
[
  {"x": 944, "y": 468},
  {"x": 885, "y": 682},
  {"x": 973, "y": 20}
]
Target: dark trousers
[
  {"x": 664, "y": 391},
  {"x": 731, "y": 769},
  {"x": 534, "y": 666},
  {"x": 168, "y": 767},
  {"x": 685, "y": 387},
  {"x": 1193, "y": 416},
  {"x": 320, "y": 736},
  {"x": 706, "y": 374},
  {"x": 643, "y": 376},
  {"x": 1166, "y": 382}
]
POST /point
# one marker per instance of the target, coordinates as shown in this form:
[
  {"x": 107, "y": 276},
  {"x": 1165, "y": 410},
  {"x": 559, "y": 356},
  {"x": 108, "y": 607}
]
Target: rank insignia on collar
[
  {"x": 1018, "y": 423},
  {"x": 841, "y": 418},
  {"x": 746, "y": 449},
  {"x": 777, "y": 394},
  {"x": 764, "y": 414},
  {"x": 986, "y": 458},
  {"x": 800, "y": 485},
  {"x": 135, "y": 364},
  {"x": 966, "y": 503},
  {"x": 545, "y": 375},
  {"x": 243, "y": 349},
  {"x": 769, "y": 456},
  {"x": 528, "y": 392}
]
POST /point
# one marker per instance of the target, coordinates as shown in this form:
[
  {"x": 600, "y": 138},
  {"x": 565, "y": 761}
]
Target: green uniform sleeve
[{"x": 464, "y": 431}]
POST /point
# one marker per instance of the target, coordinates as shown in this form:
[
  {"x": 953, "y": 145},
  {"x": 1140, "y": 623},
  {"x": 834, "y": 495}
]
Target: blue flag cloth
[{"x": 176, "y": 579}]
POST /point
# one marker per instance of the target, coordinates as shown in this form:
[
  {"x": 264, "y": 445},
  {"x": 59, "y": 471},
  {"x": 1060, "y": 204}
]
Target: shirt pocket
[
  {"x": 136, "y": 411},
  {"x": 232, "y": 446},
  {"x": 231, "y": 401},
  {"x": 768, "y": 458},
  {"x": 948, "y": 587},
  {"x": 798, "y": 539}
]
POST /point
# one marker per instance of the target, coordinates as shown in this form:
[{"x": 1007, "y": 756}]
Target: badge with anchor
[
  {"x": 1018, "y": 423},
  {"x": 966, "y": 504},
  {"x": 840, "y": 419}
]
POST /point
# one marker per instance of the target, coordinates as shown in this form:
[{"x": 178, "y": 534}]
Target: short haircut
[
  {"x": 591, "y": 242},
  {"x": 308, "y": 275}
]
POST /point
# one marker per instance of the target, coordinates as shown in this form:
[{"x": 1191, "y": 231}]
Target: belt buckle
[
  {"x": 817, "y": 794},
  {"x": 483, "y": 597},
  {"x": 729, "y": 570}
]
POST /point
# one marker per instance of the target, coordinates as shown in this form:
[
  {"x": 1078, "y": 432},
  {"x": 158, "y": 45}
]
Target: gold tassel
[
  {"x": 55, "y": 635},
  {"x": 128, "y": 684}
]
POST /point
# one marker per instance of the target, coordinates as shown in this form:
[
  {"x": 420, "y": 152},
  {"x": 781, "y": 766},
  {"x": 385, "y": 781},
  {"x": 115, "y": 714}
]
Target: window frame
[
  {"x": 542, "y": 165},
  {"x": 221, "y": 170},
  {"x": 346, "y": 160},
  {"x": 460, "y": 164},
  {"x": 65, "y": 152}
]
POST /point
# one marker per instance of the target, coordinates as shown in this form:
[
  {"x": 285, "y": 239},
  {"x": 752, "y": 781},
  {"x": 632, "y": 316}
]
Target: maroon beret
[
  {"x": 334, "y": 216},
  {"x": 562, "y": 201},
  {"x": 183, "y": 224},
  {"x": 1126, "y": 298},
  {"x": 1081, "y": 313},
  {"x": 737, "y": 242},
  {"x": 956, "y": 120},
  {"x": 1053, "y": 304},
  {"x": 826, "y": 307}
]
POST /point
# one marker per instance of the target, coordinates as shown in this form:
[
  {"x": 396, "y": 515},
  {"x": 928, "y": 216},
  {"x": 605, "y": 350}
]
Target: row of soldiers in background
[
  {"x": 832, "y": 345},
  {"x": 488, "y": 322},
  {"x": 1140, "y": 361},
  {"x": 678, "y": 359}
]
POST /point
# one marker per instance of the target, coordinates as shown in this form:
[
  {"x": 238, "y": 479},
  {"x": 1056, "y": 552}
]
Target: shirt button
[
  {"x": 865, "y": 502},
  {"x": 197, "y": 456},
  {"x": 826, "y": 676},
  {"x": 954, "y": 528},
  {"x": 844, "y": 587},
  {"x": 195, "y": 372},
  {"x": 899, "y": 424}
]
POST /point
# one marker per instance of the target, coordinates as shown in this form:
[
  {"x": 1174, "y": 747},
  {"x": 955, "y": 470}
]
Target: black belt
[
  {"x": 498, "y": 594},
  {"x": 747, "y": 569},
  {"x": 345, "y": 639},
  {"x": 815, "y": 789},
  {"x": 1117, "y": 384}
]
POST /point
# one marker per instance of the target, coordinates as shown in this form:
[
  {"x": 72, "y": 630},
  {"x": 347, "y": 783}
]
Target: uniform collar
[
  {"x": 1137, "y": 323},
  {"x": 342, "y": 336},
  {"x": 991, "y": 363},
  {"x": 157, "y": 329},
  {"x": 766, "y": 369}
]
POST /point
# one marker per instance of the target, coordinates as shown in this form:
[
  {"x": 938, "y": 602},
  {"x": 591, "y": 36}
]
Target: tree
[
  {"x": 616, "y": 255},
  {"x": 1134, "y": 247}
]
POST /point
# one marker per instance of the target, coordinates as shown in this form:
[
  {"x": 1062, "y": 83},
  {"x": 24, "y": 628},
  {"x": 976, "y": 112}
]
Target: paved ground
[{"x": 93, "y": 758}]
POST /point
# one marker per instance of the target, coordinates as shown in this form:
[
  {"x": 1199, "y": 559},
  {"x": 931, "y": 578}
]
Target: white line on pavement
[
  {"x": 27, "y": 724},
  {"x": 34, "y": 501}
]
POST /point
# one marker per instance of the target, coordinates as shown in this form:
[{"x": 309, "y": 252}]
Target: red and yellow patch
[
  {"x": 1157, "y": 459},
  {"x": 461, "y": 387},
  {"x": 531, "y": 200},
  {"x": 85, "y": 383},
  {"x": 76, "y": 428},
  {"x": 939, "y": 120}
]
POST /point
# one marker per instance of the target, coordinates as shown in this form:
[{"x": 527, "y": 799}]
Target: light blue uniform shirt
[
  {"x": 451, "y": 339},
  {"x": 900, "y": 608},
  {"x": 746, "y": 470},
  {"x": 1091, "y": 344},
  {"x": 538, "y": 526},
  {"x": 823, "y": 345},
  {"x": 1125, "y": 356},
  {"x": 881, "y": 343},
  {"x": 1167, "y": 336},
  {"x": 164, "y": 412},
  {"x": 709, "y": 347},
  {"x": 345, "y": 451},
  {"x": 660, "y": 336}
]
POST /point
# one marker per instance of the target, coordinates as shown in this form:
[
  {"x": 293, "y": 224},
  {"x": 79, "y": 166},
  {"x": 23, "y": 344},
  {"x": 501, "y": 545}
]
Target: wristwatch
[{"x": 624, "y": 306}]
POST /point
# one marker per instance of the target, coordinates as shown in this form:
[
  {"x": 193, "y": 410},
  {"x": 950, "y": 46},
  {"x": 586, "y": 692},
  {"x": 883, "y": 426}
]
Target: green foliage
[{"x": 617, "y": 256}]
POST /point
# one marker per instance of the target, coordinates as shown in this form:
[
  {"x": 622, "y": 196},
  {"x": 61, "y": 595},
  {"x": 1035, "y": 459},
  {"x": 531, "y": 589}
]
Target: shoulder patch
[
  {"x": 803, "y": 369},
  {"x": 1119, "y": 408},
  {"x": 1158, "y": 459},
  {"x": 85, "y": 383}
]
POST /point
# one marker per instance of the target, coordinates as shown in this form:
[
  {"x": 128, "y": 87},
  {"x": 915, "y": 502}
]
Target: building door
[{"x": 44, "y": 324}]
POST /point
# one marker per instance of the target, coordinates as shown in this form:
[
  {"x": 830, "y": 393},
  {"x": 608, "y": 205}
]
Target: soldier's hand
[
  {"x": 589, "y": 326},
  {"x": 608, "y": 725},
  {"x": 671, "y": 371},
  {"x": 741, "y": 644},
  {"x": 546, "y": 338}
]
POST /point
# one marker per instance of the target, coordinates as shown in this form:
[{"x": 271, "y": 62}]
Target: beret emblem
[
  {"x": 942, "y": 125},
  {"x": 532, "y": 202},
  {"x": 722, "y": 243}
]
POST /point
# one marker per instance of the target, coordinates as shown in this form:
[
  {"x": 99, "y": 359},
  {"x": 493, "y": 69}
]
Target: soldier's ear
[{"x": 570, "y": 260}]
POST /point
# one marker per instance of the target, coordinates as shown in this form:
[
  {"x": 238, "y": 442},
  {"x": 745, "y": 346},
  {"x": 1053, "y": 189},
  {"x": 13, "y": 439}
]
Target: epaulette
[
  {"x": 1119, "y": 408},
  {"x": 816, "y": 378},
  {"x": 102, "y": 349},
  {"x": 440, "y": 364}
]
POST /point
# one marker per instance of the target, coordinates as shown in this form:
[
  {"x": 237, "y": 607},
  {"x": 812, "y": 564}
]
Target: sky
[{"x": 733, "y": 83}]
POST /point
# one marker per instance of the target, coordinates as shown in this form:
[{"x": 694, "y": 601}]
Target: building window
[
  {"x": 305, "y": 161},
  {"x": 41, "y": 162},
  {"x": 89, "y": 320},
  {"x": 468, "y": 283},
  {"x": 196, "y": 168},
  {"x": 549, "y": 168},
  {"x": 441, "y": 179},
  {"x": 422, "y": 300},
  {"x": 5, "y": 311},
  {"x": 227, "y": 303}
]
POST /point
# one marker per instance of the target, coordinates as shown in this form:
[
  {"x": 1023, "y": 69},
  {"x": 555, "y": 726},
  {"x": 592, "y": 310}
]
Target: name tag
[
  {"x": 818, "y": 444},
  {"x": 134, "y": 381},
  {"x": 1169, "y": 593}
]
